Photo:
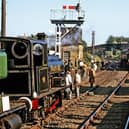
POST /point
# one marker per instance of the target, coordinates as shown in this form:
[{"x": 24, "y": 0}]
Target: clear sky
[{"x": 105, "y": 17}]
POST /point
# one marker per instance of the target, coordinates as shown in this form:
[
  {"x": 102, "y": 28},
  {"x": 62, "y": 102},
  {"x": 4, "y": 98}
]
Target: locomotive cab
[{"x": 56, "y": 71}]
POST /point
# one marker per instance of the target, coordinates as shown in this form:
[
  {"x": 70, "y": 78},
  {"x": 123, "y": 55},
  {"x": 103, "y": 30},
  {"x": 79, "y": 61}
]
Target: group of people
[
  {"x": 74, "y": 78},
  {"x": 73, "y": 84}
]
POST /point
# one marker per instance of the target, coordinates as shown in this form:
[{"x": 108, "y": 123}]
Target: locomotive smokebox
[
  {"x": 18, "y": 53},
  {"x": 27, "y": 67}
]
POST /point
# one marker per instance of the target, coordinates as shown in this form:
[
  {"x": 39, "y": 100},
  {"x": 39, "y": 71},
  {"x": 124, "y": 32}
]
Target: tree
[
  {"x": 84, "y": 45},
  {"x": 117, "y": 40},
  {"x": 111, "y": 40}
]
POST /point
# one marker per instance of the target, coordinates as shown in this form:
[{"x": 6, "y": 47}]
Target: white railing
[{"x": 57, "y": 14}]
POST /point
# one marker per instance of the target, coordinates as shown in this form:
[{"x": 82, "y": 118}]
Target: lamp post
[{"x": 3, "y": 18}]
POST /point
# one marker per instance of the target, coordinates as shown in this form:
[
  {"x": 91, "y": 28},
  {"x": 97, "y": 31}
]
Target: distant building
[
  {"x": 72, "y": 47},
  {"x": 109, "y": 47}
]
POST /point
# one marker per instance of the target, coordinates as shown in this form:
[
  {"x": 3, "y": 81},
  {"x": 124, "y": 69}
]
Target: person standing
[
  {"x": 69, "y": 83},
  {"x": 84, "y": 72},
  {"x": 72, "y": 71},
  {"x": 77, "y": 83},
  {"x": 94, "y": 66},
  {"x": 92, "y": 76},
  {"x": 65, "y": 66},
  {"x": 69, "y": 64}
]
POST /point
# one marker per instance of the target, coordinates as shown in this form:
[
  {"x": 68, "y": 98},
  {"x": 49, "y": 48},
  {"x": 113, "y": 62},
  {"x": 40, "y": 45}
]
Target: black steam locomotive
[{"x": 31, "y": 79}]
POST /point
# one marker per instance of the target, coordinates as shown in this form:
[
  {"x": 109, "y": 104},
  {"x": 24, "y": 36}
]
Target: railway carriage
[{"x": 33, "y": 83}]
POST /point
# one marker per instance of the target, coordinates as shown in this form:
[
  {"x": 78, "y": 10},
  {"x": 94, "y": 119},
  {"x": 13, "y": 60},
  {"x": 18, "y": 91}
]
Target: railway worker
[
  {"x": 84, "y": 72},
  {"x": 77, "y": 83},
  {"x": 102, "y": 63},
  {"x": 93, "y": 64},
  {"x": 73, "y": 77},
  {"x": 65, "y": 66},
  {"x": 92, "y": 76},
  {"x": 81, "y": 64},
  {"x": 69, "y": 64},
  {"x": 69, "y": 83}
]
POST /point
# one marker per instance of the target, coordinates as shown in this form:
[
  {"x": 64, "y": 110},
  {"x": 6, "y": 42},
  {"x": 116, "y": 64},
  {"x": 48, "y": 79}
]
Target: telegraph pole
[
  {"x": 93, "y": 42},
  {"x": 3, "y": 18}
]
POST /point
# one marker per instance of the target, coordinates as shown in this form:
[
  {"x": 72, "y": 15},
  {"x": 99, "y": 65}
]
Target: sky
[{"x": 105, "y": 17}]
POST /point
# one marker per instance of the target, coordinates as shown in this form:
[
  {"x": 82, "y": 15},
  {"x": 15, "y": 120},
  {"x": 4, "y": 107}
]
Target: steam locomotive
[{"x": 34, "y": 82}]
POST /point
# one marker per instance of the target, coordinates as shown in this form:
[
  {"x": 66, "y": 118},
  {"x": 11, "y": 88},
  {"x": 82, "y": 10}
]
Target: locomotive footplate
[
  {"x": 52, "y": 99},
  {"x": 14, "y": 107},
  {"x": 51, "y": 91}
]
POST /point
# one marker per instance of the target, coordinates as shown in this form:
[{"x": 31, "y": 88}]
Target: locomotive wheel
[{"x": 12, "y": 121}]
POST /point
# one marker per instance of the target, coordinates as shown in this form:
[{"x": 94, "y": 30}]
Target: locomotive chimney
[{"x": 41, "y": 36}]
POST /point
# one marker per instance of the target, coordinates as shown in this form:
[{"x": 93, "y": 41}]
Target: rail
[
  {"x": 127, "y": 123},
  {"x": 87, "y": 121}
]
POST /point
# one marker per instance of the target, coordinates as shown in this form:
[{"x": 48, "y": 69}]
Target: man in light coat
[
  {"x": 77, "y": 83},
  {"x": 69, "y": 83}
]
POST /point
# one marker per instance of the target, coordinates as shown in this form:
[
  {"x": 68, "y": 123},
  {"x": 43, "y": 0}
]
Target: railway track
[
  {"x": 115, "y": 112},
  {"x": 75, "y": 112}
]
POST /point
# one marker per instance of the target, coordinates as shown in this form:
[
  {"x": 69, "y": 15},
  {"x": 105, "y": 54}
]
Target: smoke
[{"x": 74, "y": 36}]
